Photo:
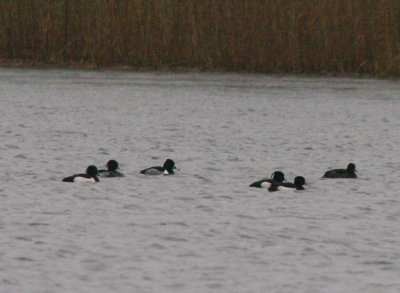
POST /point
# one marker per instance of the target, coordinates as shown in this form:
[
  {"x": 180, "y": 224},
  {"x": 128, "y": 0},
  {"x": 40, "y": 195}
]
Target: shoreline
[{"x": 28, "y": 64}]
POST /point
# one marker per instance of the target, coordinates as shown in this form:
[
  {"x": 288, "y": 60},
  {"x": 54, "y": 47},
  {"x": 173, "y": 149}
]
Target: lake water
[{"x": 204, "y": 229}]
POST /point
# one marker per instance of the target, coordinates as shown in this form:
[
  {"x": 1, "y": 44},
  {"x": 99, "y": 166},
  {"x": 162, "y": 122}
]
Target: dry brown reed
[{"x": 290, "y": 36}]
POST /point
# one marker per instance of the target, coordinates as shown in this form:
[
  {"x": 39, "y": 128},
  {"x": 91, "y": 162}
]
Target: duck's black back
[
  {"x": 259, "y": 182},
  {"x": 339, "y": 173},
  {"x": 70, "y": 178}
]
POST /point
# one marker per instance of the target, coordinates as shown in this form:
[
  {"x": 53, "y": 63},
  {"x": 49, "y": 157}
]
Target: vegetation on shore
[{"x": 285, "y": 36}]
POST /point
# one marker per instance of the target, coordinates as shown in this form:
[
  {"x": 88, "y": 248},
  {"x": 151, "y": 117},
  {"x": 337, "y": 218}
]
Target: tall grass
[{"x": 293, "y": 36}]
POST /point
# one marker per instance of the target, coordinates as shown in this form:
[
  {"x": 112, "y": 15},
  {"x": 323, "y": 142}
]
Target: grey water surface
[{"x": 204, "y": 229}]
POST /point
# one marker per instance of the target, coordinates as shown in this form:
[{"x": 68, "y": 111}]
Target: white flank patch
[
  {"x": 283, "y": 188},
  {"x": 83, "y": 179},
  {"x": 265, "y": 184},
  {"x": 166, "y": 172}
]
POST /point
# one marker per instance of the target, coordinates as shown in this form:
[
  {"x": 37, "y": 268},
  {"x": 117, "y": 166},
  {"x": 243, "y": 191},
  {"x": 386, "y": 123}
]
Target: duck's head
[
  {"x": 351, "y": 168},
  {"x": 112, "y": 165},
  {"x": 299, "y": 181},
  {"x": 278, "y": 176},
  {"x": 91, "y": 171},
  {"x": 169, "y": 165}
]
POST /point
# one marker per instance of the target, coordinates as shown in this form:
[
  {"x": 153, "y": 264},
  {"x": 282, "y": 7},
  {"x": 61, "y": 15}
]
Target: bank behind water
[{"x": 299, "y": 36}]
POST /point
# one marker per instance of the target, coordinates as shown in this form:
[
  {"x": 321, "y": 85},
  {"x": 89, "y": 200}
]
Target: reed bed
[{"x": 288, "y": 36}]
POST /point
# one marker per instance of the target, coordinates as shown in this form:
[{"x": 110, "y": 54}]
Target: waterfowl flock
[{"x": 277, "y": 181}]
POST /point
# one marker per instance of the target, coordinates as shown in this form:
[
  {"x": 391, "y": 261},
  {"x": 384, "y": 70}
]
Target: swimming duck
[
  {"x": 349, "y": 172},
  {"x": 166, "y": 169},
  {"x": 89, "y": 176},
  {"x": 276, "y": 177},
  {"x": 113, "y": 170}
]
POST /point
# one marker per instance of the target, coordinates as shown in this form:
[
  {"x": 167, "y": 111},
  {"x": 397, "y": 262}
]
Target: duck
[
  {"x": 298, "y": 183},
  {"x": 276, "y": 177},
  {"x": 166, "y": 169},
  {"x": 112, "y": 170},
  {"x": 349, "y": 172},
  {"x": 89, "y": 176}
]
